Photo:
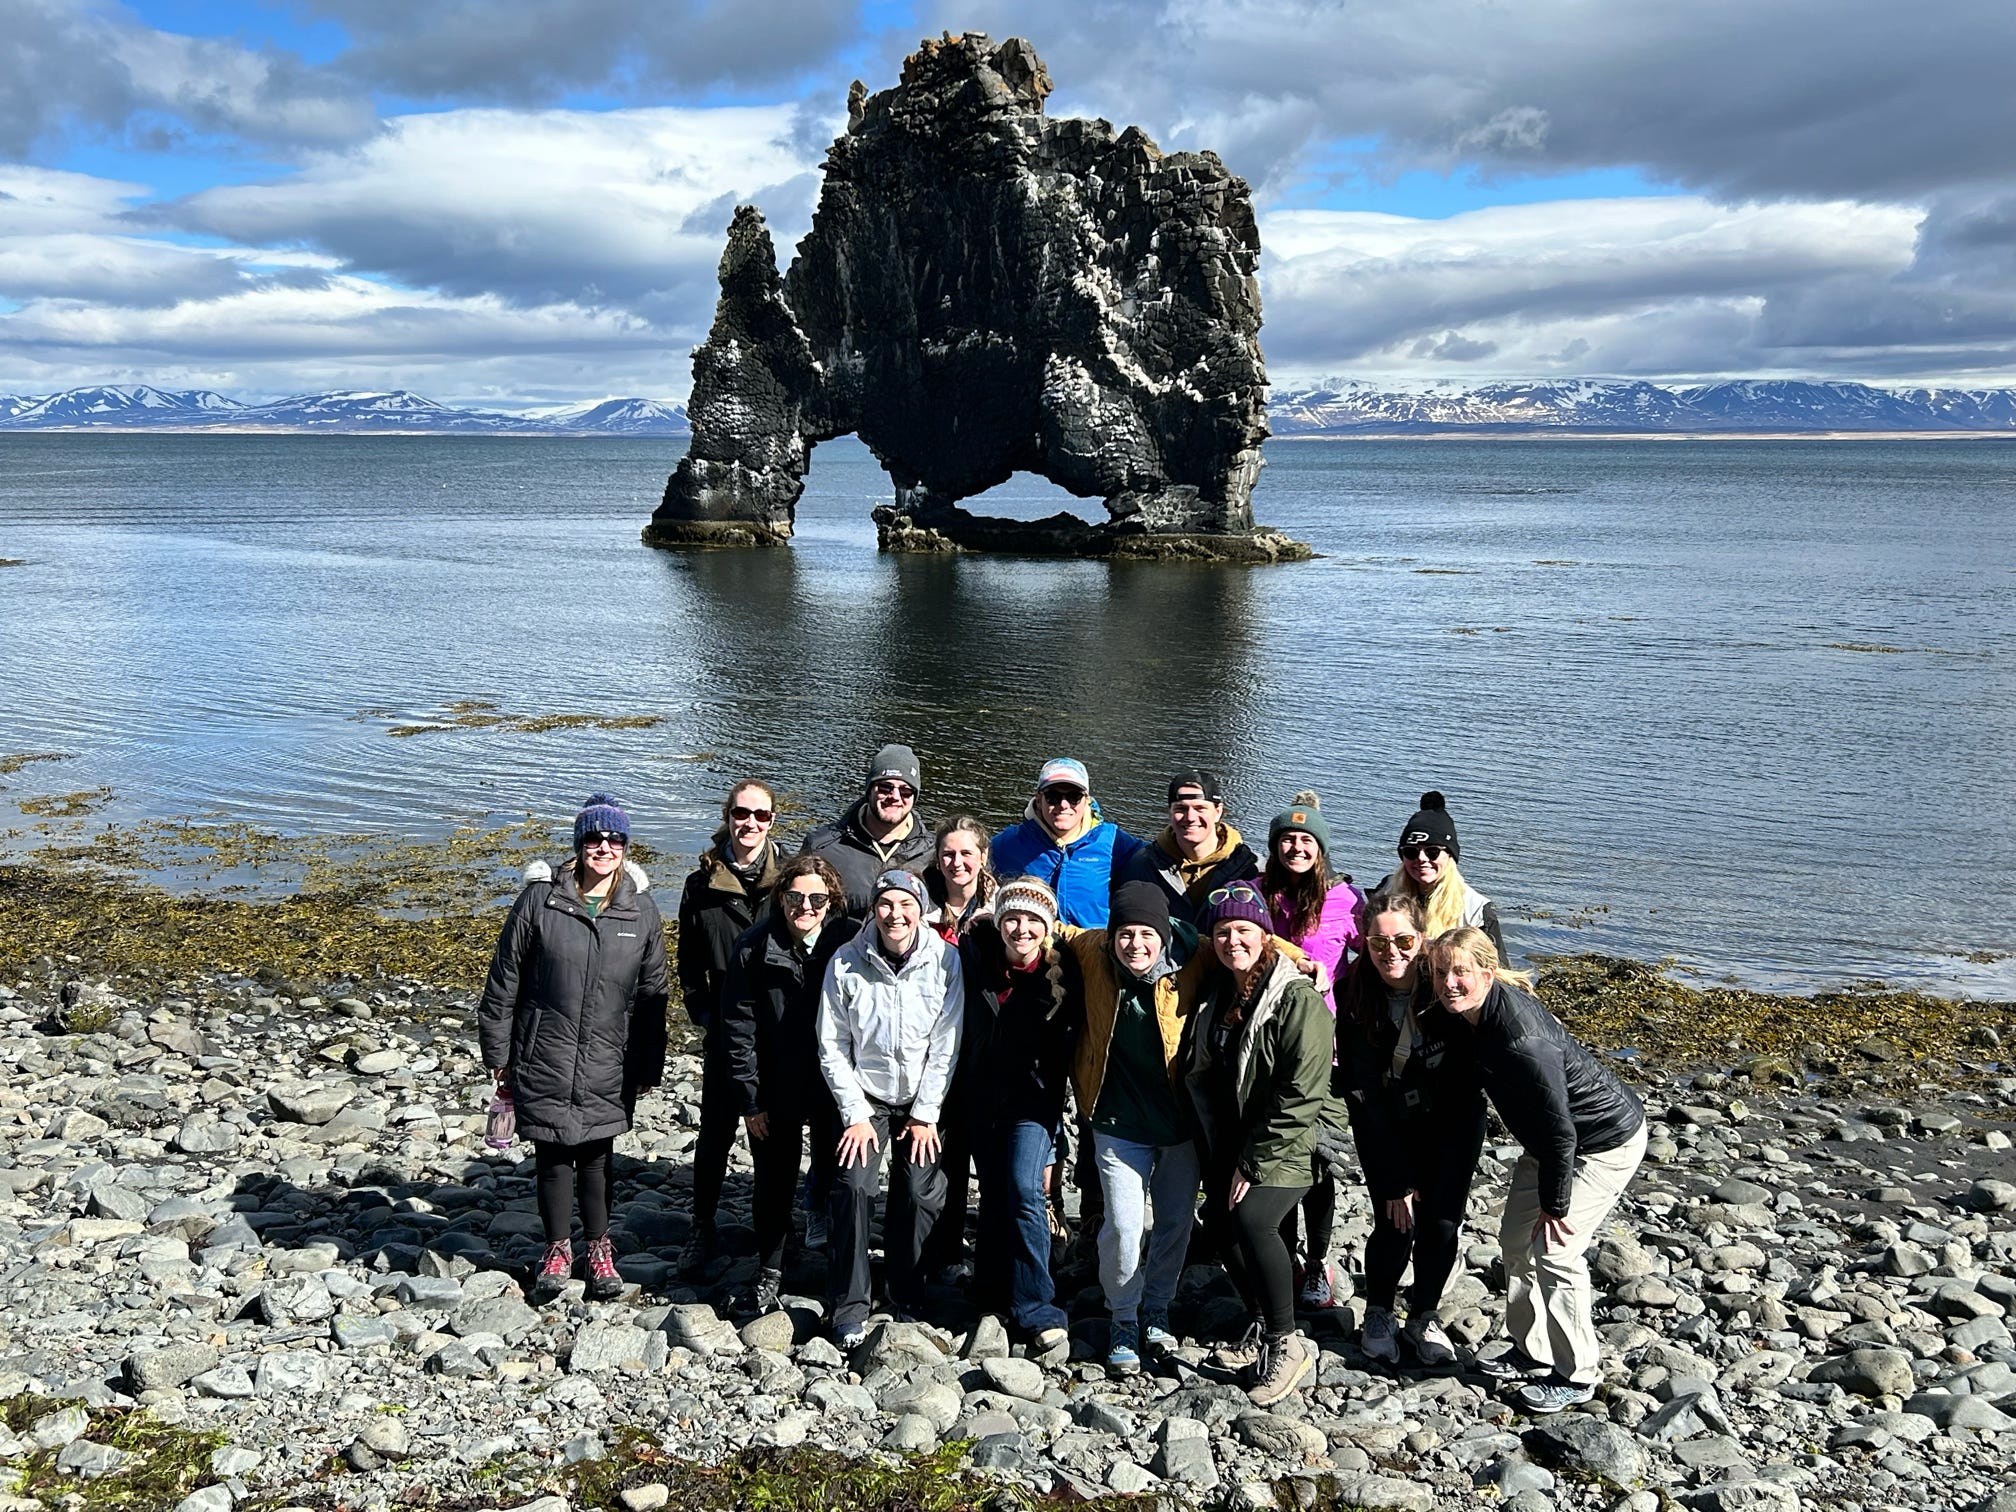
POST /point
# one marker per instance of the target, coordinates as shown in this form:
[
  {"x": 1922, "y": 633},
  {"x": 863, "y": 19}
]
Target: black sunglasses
[
  {"x": 1062, "y": 794},
  {"x": 1432, "y": 852},
  {"x": 761, "y": 816},
  {"x": 603, "y": 837}
]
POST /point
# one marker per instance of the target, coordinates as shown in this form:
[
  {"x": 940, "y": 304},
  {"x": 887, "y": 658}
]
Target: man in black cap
[
  {"x": 881, "y": 831},
  {"x": 1198, "y": 852}
]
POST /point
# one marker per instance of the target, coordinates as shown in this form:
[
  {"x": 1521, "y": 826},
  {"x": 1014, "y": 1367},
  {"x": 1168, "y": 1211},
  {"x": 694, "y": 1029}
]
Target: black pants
[
  {"x": 568, "y": 1172},
  {"x": 720, "y": 1116},
  {"x": 777, "y": 1154},
  {"x": 1444, "y": 1158},
  {"x": 947, "y": 1244},
  {"x": 1319, "y": 1213},
  {"x": 1249, "y": 1244},
  {"x": 916, "y": 1198}
]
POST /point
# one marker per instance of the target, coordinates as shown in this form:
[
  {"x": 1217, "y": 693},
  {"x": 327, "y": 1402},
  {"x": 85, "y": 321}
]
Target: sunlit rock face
[{"x": 985, "y": 291}]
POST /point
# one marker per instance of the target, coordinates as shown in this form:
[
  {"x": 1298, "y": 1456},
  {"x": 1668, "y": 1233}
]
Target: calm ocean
[{"x": 1748, "y": 704}]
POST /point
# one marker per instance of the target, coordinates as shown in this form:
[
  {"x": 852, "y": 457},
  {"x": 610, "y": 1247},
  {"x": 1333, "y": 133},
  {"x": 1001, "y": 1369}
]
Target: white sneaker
[
  {"x": 1316, "y": 1288},
  {"x": 1431, "y": 1344},
  {"x": 1380, "y": 1338}
]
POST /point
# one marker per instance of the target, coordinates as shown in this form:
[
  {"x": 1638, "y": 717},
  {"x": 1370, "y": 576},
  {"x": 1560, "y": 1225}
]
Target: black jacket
[
  {"x": 1153, "y": 864},
  {"x": 770, "y": 1015},
  {"x": 1436, "y": 1097},
  {"x": 576, "y": 1008},
  {"x": 846, "y": 846},
  {"x": 1554, "y": 1096},
  {"x": 1015, "y": 1062},
  {"x": 714, "y": 909}
]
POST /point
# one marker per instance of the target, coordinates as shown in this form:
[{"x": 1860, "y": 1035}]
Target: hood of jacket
[
  {"x": 720, "y": 876},
  {"x": 1229, "y": 840},
  {"x": 544, "y": 871}
]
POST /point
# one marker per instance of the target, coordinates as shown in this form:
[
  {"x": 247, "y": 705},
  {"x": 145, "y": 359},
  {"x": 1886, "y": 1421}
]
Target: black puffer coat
[
  {"x": 576, "y": 1008},
  {"x": 1015, "y": 1059},
  {"x": 859, "y": 859},
  {"x": 714, "y": 909},
  {"x": 1556, "y": 1099},
  {"x": 770, "y": 1016}
]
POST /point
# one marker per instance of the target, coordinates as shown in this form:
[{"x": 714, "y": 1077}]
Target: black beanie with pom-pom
[{"x": 1431, "y": 825}]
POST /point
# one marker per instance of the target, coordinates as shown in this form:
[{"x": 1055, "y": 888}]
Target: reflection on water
[{"x": 1726, "y": 701}]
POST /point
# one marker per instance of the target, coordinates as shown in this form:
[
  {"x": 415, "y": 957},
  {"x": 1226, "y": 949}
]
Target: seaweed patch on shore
[
  {"x": 15, "y": 761},
  {"x": 66, "y": 805},
  {"x": 140, "y": 1464},
  {"x": 480, "y": 714},
  {"x": 1630, "y": 1006}
]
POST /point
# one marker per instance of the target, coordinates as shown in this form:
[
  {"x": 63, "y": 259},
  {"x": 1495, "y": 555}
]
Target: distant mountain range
[
  {"x": 1338, "y": 407},
  {"x": 1597, "y": 406},
  {"x": 144, "y": 408}
]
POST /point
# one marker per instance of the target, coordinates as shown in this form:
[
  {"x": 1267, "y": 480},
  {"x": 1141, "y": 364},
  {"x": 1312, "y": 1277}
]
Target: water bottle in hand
[{"x": 503, "y": 1120}]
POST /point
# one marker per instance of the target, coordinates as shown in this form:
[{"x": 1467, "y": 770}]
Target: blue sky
[{"x": 520, "y": 201}]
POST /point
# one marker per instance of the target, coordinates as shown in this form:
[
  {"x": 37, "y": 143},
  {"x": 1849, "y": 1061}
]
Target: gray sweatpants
[{"x": 1548, "y": 1300}]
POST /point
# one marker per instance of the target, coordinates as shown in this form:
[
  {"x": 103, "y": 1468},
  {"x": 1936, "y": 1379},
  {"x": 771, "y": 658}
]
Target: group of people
[{"x": 1233, "y": 1034}]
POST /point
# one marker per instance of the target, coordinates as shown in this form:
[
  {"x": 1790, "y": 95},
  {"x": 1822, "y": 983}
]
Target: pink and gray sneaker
[
  {"x": 555, "y": 1268},
  {"x": 604, "y": 1284}
]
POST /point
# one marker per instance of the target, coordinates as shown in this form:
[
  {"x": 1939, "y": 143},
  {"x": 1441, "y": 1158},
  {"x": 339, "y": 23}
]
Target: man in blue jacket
[{"x": 1064, "y": 843}]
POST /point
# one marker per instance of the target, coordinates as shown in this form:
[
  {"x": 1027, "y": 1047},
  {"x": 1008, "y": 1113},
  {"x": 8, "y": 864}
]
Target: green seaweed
[
  {"x": 169, "y": 1462},
  {"x": 12, "y": 763},
  {"x": 481, "y": 714},
  {"x": 66, "y": 805}
]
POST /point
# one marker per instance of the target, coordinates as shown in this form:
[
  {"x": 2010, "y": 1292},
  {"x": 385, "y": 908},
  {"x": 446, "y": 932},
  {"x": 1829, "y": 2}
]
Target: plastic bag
[{"x": 503, "y": 1126}]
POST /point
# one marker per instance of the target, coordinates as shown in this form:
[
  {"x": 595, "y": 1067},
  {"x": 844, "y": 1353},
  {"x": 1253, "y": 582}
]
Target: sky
[{"x": 522, "y": 202}]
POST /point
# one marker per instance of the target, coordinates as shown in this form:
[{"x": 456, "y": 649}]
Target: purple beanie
[
  {"x": 600, "y": 815},
  {"x": 1241, "y": 900}
]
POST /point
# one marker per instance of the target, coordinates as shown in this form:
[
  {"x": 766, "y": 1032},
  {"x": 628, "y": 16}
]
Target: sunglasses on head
[
  {"x": 1060, "y": 793},
  {"x": 761, "y": 816},
  {"x": 596, "y": 838},
  {"x": 802, "y": 902},
  {"x": 1238, "y": 891},
  {"x": 1432, "y": 852}
]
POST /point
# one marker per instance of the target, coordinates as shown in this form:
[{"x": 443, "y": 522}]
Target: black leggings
[
  {"x": 1319, "y": 1213},
  {"x": 1248, "y": 1241},
  {"x": 1443, "y": 1167},
  {"x": 569, "y": 1171}
]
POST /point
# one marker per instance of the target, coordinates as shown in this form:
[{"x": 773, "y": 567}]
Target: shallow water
[{"x": 1749, "y": 704}]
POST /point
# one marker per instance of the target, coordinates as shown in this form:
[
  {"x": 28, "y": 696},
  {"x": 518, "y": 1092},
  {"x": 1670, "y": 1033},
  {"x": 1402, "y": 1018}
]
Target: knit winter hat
[
  {"x": 600, "y": 815},
  {"x": 1027, "y": 895},
  {"x": 1139, "y": 903},
  {"x": 898, "y": 762},
  {"x": 1303, "y": 813},
  {"x": 898, "y": 880},
  {"x": 1431, "y": 825},
  {"x": 1241, "y": 900},
  {"x": 1063, "y": 769}
]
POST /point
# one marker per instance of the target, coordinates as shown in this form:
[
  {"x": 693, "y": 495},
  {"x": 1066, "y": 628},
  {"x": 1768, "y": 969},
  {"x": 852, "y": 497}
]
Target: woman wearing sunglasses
[
  {"x": 1408, "y": 1080},
  {"x": 573, "y": 1020},
  {"x": 770, "y": 1033},
  {"x": 1260, "y": 1080},
  {"x": 719, "y": 902},
  {"x": 1428, "y": 853}
]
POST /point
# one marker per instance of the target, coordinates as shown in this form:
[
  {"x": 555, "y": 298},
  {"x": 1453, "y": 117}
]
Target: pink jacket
[{"x": 1336, "y": 932}]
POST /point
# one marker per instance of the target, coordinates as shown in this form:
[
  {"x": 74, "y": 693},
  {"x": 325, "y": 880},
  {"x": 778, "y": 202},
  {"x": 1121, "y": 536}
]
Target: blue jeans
[
  {"x": 1136, "y": 1179},
  {"x": 1013, "y": 1260}
]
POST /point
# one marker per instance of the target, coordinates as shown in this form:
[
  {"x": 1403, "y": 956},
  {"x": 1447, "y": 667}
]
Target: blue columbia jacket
[{"x": 1080, "y": 872}]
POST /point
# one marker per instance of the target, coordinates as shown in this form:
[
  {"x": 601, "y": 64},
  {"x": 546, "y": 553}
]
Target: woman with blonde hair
[
  {"x": 1428, "y": 855},
  {"x": 1583, "y": 1132}
]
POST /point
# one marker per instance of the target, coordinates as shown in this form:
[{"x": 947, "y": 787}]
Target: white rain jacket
[{"x": 891, "y": 1034}]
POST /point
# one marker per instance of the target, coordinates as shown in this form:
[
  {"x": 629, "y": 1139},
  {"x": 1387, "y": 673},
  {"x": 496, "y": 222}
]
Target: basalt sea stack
[{"x": 986, "y": 290}]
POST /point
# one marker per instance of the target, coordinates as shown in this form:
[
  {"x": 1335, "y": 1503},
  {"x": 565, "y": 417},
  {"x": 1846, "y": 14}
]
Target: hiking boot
[
  {"x": 1283, "y": 1361},
  {"x": 1316, "y": 1290},
  {"x": 1380, "y": 1338},
  {"x": 604, "y": 1285},
  {"x": 1429, "y": 1341},
  {"x": 556, "y": 1267},
  {"x": 762, "y": 1296},
  {"x": 701, "y": 1247},
  {"x": 1123, "y": 1349},
  {"x": 1513, "y": 1364},
  {"x": 1241, "y": 1356},
  {"x": 818, "y": 1232},
  {"x": 1155, "y": 1331},
  {"x": 1552, "y": 1395}
]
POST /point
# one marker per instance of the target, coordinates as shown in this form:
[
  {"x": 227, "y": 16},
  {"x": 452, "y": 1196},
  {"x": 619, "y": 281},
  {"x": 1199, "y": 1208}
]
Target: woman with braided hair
[{"x": 1025, "y": 1001}]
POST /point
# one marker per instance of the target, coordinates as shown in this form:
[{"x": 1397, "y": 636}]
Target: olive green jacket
[{"x": 1282, "y": 1078}]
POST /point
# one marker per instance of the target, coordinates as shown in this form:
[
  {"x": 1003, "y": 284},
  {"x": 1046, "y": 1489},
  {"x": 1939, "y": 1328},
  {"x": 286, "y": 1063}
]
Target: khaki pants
[{"x": 1547, "y": 1296}]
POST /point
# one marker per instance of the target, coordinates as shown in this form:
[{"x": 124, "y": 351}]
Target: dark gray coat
[
  {"x": 576, "y": 1008},
  {"x": 846, "y": 845}
]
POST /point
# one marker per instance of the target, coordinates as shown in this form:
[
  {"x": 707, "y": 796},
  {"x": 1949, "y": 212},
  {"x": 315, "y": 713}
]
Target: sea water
[{"x": 1747, "y": 704}]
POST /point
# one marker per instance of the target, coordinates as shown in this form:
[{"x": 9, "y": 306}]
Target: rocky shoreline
[{"x": 258, "y": 1206}]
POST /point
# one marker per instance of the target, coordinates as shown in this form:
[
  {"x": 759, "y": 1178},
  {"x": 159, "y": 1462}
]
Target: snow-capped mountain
[
  {"x": 1344, "y": 407},
  {"x": 341, "y": 411}
]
